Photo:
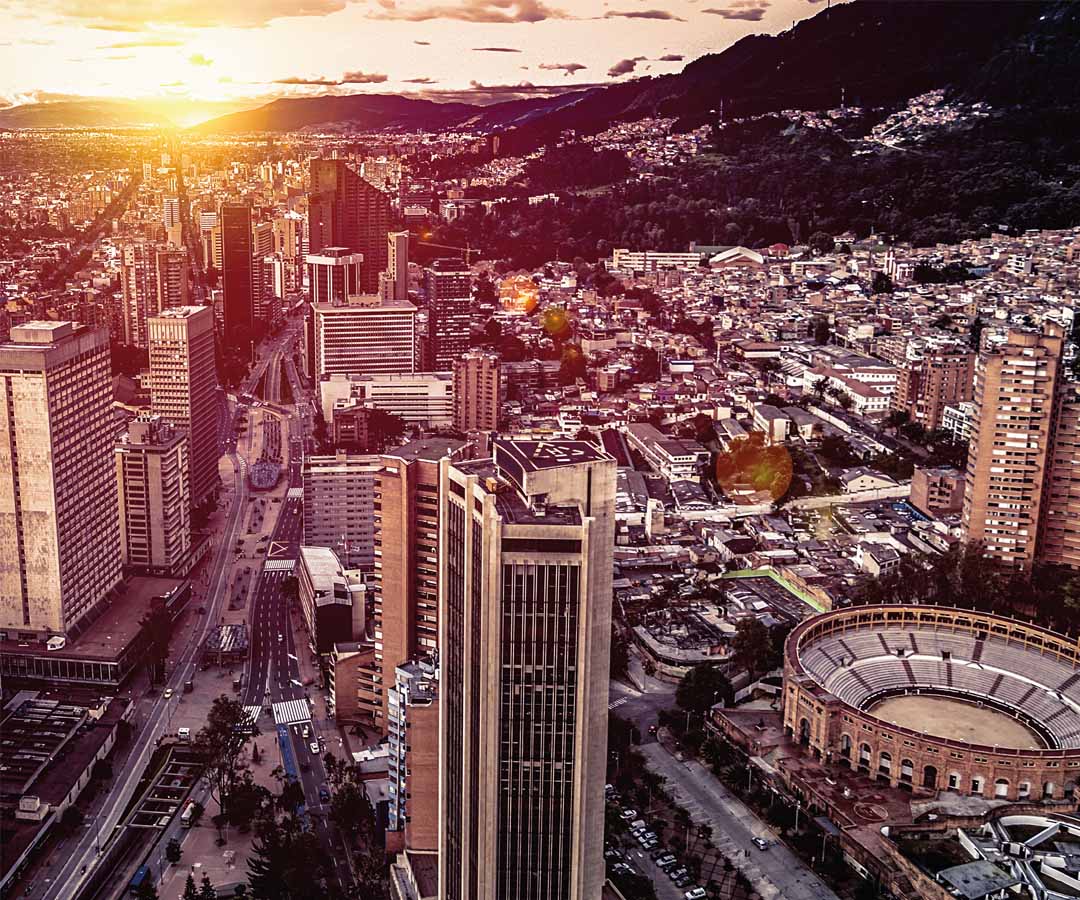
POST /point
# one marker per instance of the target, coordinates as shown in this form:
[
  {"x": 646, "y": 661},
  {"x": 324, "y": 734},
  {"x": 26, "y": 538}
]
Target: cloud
[
  {"x": 197, "y": 59},
  {"x": 658, "y": 14},
  {"x": 422, "y": 80},
  {"x": 745, "y": 10},
  {"x": 363, "y": 78},
  {"x": 624, "y": 66},
  {"x": 496, "y": 49},
  {"x": 142, "y": 42},
  {"x": 347, "y": 78},
  {"x": 568, "y": 68},
  {"x": 122, "y": 15},
  {"x": 671, "y": 57},
  {"x": 489, "y": 11}
]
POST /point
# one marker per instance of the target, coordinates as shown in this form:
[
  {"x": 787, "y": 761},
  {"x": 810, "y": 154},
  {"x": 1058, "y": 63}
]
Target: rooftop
[
  {"x": 535, "y": 456},
  {"x": 427, "y": 449}
]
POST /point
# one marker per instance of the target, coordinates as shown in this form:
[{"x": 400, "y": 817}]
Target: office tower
[
  {"x": 289, "y": 242},
  {"x": 183, "y": 388},
  {"x": 344, "y": 210},
  {"x": 406, "y": 551},
  {"x": 413, "y": 732},
  {"x": 170, "y": 212},
  {"x": 339, "y": 498},
  {"x": 364, "y": 334},
  {"x": 237, "y": 277},
  {"x": 448, "y": 286},
  {"x": 59, "y": 527},
  {"x": 476, "y": 392},
  {"x": 171, "y": 277},
  {"x": 1016, "y": 391},
  {"x": 155, "y": 497},
  {"x": 1059, "y": 528},
  {"x": 931, "y": 379},
  {"x": 333, "y": 275},
  {"x": 525, "y": 617},
  {"x": 138, "y": 287},
  {"x": 267, "y": 307},
  {"x": 397, "y": 263}
]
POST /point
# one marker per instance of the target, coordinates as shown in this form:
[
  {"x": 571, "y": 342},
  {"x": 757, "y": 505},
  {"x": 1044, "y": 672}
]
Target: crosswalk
[
  {"x": 290, "y": 712},
  {"x": 251, "y": 717},
  {"x": 279, "y": 565},
  {"x": 295, "y": 493},
  {"x": 615, "y": 704}
]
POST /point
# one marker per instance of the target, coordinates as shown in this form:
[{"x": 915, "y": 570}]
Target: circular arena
[{"x": 931, "y": 698}]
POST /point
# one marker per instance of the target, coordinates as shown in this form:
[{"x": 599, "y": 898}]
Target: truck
[
  {"x": 189, "y": 686},
  {"x": 187, "y": 817}
]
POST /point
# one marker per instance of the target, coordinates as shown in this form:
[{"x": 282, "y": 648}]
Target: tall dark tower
[
  {"x": 448, "y": 285},
  {"x": 236, "y": 274},
  {"x": 344, "y": 210}
]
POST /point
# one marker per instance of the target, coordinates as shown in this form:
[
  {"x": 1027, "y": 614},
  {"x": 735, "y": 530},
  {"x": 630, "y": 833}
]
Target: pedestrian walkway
[{"x": 291, "y": 712}]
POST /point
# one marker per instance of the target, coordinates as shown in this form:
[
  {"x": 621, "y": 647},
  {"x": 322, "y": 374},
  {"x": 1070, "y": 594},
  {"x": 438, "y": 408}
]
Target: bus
[
  {"x": 188, "y": 815},
  {"x": 141, "y": 876}
]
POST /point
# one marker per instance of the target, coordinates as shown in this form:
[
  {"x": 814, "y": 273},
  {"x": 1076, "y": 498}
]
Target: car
[
  {"x": 612, "y": 853},
  {"x": 677, "y": 873},
  {"x": 667, "y": 862},
  {"x": 324, "y": 793},
  {"x": 628, "y": 815},
  {"x": 621, "y": 868},
  {"x": 183, "y": 734},
  {"x": 760, "y": 843},
  {"x": 695, "y": 893},
  {"x": 683, "y": 882},
  {"x": 314, "y": 747},
  {"x": 637, "y": 824},
  {"x": 305, "y": 731},
  {"x": 652, "y": 729},
  {"x": 280, "y": 637},
  {"x": 168, "y": 693},
  {"x": 650, "y": 844}
]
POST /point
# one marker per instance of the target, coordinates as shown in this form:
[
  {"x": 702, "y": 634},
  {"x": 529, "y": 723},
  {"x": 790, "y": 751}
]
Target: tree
[
  {"x": 821, "y": 243},
  {"x": 822, "y": 331},
  {"x": 173, "y": 851},
  {"x": 975, "y": 336},
  {"x": 384, "y": 429},
  {"x": 206, "y": 889},
  {"x": 157, "y": 626},
  {"x": 219, "y": 745},
  {"x": 71, "y": 820},
  {"x": 701, "y": 687},
  {"x": 191, "y": 892},
  {"x": 287, "y": 862},
  {"x": 751, "y": 646},
  {"x": 882, "y": 284}
]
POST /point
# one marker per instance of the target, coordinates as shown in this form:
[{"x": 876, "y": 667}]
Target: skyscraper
[
  {"x": 1059, "y": 527},
  {"x": 171, "y": 277},
  {"x": 237, "y": 277},
  {"x": 525, "y": 598},
  {"x": 476, "y": 392},
  {"x": 397, "y": 263},
  {"x": 932, "y": 378},
  {"x": 138, "y": 287},
  {"x": 407, "y": 551},
  {"x": 364, "y": 335},
  {"x": 344, "y": 210},
  {"x": 1016, "y": 391},
  {"x": 183, "y": 388},
  {"x": 155, "y": 500},
  {"x": 59, "y": 527},
  {"x": 448, "y": 286},
  {"x": 333, "y": 274}
]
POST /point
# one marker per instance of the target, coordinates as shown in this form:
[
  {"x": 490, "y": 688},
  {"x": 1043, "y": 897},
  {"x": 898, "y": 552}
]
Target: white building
[
  {"x": 425, "y": 399},
  {"x": 365, "y": 335}
]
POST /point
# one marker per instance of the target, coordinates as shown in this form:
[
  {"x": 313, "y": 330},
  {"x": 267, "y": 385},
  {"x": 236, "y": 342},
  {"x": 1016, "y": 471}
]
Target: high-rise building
[
  {"x": 476, "y": 392},
  {"x": 170, "y": 212},
  {"x": 1059, "y": 527},
  {"x": 183, "y": 388},
  {"x": 339, "y": 498},
  {"x": 1016, "y": 392},
  {"x": 267, "y": 307},
  {"x": 931, "y": 379},
  {"x": 364, "y": 334},
  {"x": 333, "y": 275},
  {"x": 155, "y": 500},
  {"x": 413, "y": 741},
  {"x": 397, "y": 263},
  {"x": 59, "y": 526},
  {"x": 344, "y": 210},
  {"x": 448, "y": 286},
  {"x": 171, "y": 277},
  {"x": 138, "y": 288},
  {"x": 406, "y": 543},
  {"x": 237, "y": 276},
  {"x": 525, "y": 619}
]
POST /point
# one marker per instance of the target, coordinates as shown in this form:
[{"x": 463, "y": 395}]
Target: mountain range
[{"x": 872, "y": 53}]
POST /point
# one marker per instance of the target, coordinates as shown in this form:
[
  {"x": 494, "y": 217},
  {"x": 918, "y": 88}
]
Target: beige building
[
  {"x": 930, "y": 380},
  {"x": 476, "y": 392},
  {"x": 59, "y": 527},
  {"x": 413, "y": 810},
  {"x": 183, "y": 388},
  {"x": 154, "y": 485},
  {"x": 937, "y": 491},
  {"x": 1059, "y": 530},
  {"x": 525, "y": 593},
  {"x": 1016, "y": 391},
  {"x": 152, "y": 278},
  {"x": 397, "y": 265},
  {"x": 339, "y": 493},
  {"x": 406, "y": 550},
  {"x": 364, "y": 334}
]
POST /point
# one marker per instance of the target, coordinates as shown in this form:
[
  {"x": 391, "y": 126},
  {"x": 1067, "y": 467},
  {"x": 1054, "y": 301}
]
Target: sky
[{"x": 248, "y": 51}]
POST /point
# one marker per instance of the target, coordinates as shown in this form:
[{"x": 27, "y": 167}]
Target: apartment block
[
  {"x": 339, "y": 496},
  {"x": 476, "y": 392},
  {"x": 932, "y": 379}
]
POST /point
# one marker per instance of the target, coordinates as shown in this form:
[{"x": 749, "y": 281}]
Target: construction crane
[{"x": 468, "y": 250}]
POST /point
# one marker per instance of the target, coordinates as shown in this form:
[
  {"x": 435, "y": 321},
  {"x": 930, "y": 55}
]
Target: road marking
[
  {"x": 279, "y": 565},
  {"x": 615, "y": 704}
]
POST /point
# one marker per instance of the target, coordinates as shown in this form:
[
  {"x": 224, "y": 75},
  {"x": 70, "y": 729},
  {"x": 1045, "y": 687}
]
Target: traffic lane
[{"x": 776, "y": 873}]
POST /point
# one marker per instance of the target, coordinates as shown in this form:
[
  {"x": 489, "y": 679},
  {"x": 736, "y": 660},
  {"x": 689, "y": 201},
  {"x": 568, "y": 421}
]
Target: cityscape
[{"x": 520, "y": 450}]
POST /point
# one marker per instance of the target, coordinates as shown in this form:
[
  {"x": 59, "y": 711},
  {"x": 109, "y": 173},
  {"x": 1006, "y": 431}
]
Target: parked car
[
  {"x": 628, "y": 815},
  {"x": 695, "y": 893},
  {"x": 324, "y": 793},
  {"x": 314, "y": 747},
  {"x": 760, "y": 843},
  {"x": 677, "y": 872},
  {"x": 667, "y": 861},
  {"x": 650, "y": 844},
  {"x": 683, "y": 882}
]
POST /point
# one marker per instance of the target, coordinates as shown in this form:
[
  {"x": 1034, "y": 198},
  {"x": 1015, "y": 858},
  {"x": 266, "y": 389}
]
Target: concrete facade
[{"x": 476, "y": 392}]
